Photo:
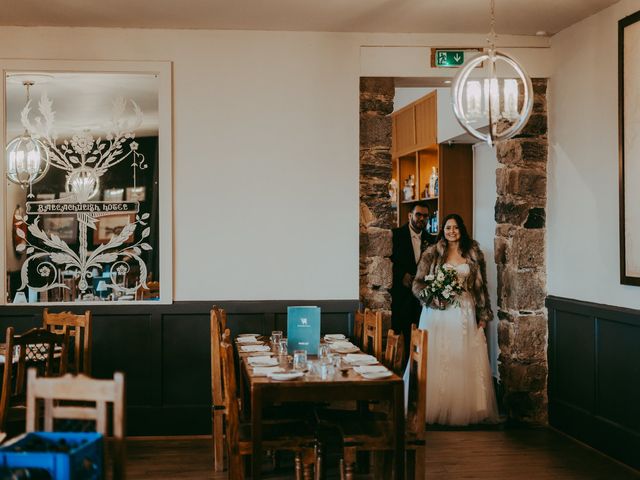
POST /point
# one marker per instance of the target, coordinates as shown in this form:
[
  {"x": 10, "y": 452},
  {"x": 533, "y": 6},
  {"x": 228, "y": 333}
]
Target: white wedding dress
[{"x": 459, "y": 382}]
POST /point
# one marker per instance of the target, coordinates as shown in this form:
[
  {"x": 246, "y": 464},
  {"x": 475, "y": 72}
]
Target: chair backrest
[
  {"x": 372, "y": 340},
  {"x": 80, "y": 388},
  {"x": 394, "y": 352},
  {"x": 38, "y": 347},
  {"x": 218, "y": 322},
  {"x": 232, "y": 413},
  {"x": 79, "y": 328},
  {"x": 418, "y": 350},
  {"x": 358, "y": 328}
]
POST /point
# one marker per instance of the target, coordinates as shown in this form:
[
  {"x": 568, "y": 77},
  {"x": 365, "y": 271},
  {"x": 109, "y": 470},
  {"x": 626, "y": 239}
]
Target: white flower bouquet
[{"x": 443, "y": 286}]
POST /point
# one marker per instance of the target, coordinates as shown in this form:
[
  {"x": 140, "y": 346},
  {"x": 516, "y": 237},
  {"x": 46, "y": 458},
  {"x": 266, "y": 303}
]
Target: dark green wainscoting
[
  {"x": 594, "y": 375},
  {"x": 164, "y": 352}
]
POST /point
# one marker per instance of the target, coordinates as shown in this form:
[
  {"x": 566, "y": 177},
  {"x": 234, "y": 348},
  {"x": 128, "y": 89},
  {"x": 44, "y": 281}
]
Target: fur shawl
[{"x": 476, "y": 282}]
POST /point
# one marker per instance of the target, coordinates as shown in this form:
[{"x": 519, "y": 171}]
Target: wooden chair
[
  {"x": 218, "y": 325},
  {"x": 80, "y": 388},
  {"x": 79, "y": 328},
  {"x": 394, "y": 352},
  {"x": 293, "y": 436},
  {"x": 358, "y": 327},
  {"x": 372, "y": 434},
  {"x": 372, "y": 339},
  {"x": 37, "y": 347}
]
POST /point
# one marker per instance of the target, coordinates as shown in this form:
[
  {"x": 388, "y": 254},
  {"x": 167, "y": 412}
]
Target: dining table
[{"x": 341, "y": 384}]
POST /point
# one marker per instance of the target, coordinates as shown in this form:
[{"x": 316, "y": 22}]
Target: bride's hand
[{"x": 439, "y": 304}]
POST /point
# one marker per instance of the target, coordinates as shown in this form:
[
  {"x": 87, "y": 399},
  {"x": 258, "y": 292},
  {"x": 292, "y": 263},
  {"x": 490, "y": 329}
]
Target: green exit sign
[{"x": 448, "y": 58}]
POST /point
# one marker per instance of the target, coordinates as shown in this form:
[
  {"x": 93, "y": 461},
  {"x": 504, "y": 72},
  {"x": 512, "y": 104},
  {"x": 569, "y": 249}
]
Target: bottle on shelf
[
  {"x": 432, "y": 182},
  {"x": 436, "y": 188},
  {"x": 408, "y": 190}
]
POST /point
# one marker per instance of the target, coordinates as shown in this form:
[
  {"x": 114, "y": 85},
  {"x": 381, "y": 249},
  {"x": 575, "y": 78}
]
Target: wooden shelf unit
[{"x": 415, "y": 151}]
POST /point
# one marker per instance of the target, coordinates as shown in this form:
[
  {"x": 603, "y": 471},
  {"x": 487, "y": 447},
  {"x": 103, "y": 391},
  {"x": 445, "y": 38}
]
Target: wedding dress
[{"x": 459, "y": 381}]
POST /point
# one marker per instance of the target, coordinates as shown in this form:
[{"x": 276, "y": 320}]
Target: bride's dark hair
[{"x": 465, "y": 239}]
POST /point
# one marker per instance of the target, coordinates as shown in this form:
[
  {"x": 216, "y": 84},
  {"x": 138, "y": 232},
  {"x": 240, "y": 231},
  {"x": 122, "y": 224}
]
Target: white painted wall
[
  {"x": 484, "y": 229},
  {"x": 582, "y": 231},
  {"x": 266, "y": 140}
]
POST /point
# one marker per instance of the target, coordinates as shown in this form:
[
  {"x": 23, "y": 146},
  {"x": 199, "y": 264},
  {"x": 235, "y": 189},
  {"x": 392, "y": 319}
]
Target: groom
[{"x": 409, "y": 241}]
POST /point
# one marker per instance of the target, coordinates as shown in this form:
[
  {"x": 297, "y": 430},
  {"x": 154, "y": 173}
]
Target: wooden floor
[{"x": 529, "y": 454}]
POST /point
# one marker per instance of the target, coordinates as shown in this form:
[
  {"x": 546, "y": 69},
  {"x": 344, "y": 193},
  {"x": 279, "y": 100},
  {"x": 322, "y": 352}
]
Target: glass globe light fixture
[
  {"x": 27, "y": 158},
  {"x": 490, "y": 99},
  {"x": 84, "y": 183}
]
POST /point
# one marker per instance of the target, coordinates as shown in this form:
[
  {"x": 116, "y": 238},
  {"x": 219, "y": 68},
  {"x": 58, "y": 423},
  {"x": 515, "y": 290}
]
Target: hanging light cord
[{"x": 491, "y": 39}]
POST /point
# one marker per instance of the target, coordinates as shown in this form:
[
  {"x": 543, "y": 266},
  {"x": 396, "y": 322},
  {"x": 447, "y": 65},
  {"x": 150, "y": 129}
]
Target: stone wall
[
  {"x": 521, "y": 181},
  {"x": 376, "y": 215}
]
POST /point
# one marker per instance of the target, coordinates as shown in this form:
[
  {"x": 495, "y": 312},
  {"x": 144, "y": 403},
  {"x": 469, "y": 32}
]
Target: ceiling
[
  {"x": 83, "y": 101},
  {"x": 520, "y": 17}
]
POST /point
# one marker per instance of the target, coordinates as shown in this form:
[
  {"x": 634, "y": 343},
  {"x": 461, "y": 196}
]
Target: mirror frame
[{"x": 165, "y": 161}]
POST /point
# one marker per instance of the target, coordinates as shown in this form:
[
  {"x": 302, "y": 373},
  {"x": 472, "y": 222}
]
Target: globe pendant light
[
  {"x": 27, "y": 158},
  {"x": 492, "y": 100}
]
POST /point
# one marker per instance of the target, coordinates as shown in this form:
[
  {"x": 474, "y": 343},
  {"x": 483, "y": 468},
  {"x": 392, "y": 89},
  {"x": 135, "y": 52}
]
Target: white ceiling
[
  {"x": 83, "y": 101},
  {"x": 521, "y": 17}
]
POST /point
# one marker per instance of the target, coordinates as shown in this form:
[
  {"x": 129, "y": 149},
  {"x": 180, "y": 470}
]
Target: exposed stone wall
[
  {"x": 376, "y": 215},
  {"x": 521, "y": 181}
]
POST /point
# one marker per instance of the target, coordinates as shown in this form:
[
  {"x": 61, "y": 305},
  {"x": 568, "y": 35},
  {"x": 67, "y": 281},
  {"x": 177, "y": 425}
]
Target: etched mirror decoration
[{"x": 87, "y": 229}]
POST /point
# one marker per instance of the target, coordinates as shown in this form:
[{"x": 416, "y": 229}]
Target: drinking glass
[
  {"x": 276, "y": 336},
  {"x": 282, "y": 347},
  {"x": 299, "y": 359},
  {"x": 323, "y": 351}
]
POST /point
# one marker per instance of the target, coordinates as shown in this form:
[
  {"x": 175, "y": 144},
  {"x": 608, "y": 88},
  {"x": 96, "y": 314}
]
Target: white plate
[
  {"x": 262, "y": 361},
  {"x": 248, "y": 335},
  {"x": 334, "y": 337},
  {"x": 249, "y": 341},
  {"x": 285, "y": 376},
  {"x": 255, "y": 348},
  {"x": 376, "y": 375},
  {"x": 366, "y": 369},
  {"x": 361, "y": 359},
  {"x": 353, "y": 349}
]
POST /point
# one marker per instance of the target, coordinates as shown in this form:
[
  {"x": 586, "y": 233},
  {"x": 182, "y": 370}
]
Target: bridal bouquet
[{"x": 442, "y": 285}]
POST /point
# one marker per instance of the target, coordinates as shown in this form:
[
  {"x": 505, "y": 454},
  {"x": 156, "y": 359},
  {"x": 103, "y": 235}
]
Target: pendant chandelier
[
  {"x": 27, "y": 158},
  {"x": 503, "y": 104}
]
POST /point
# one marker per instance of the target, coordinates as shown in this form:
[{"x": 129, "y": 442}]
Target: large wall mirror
[{"x": 87, "y": 182}]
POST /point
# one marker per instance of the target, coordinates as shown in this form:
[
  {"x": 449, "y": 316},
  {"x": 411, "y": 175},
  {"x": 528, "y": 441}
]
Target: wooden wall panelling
[
  {"x": 426, "y": 115},
  {"x": 456, "y": 182},
  {"x": 164, "y": 352},
  {"x": 405, "y": 132},
  {"x": 594, "y": 367}
]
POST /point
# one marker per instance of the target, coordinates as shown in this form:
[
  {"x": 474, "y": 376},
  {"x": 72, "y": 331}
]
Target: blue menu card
[{"x": 303, "y": 329}]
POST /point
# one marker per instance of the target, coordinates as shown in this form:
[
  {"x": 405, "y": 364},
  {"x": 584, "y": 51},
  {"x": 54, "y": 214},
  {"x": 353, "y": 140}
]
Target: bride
[{"x": 459, "y": 382}]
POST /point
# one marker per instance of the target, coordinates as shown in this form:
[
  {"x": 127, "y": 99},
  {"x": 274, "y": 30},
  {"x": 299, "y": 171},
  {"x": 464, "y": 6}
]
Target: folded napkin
[
  {"x": 262, "y": 360},
  {"x": 332, "y": 337},
  {"x": 360, "y": 358},
  {"x": 370, "y": 369},
  {"x": 342, "y": 345},
  {"x": 248, "y": 340},
  {"x": 255, "y": 348},
  {"x": 265, "y": 371}
]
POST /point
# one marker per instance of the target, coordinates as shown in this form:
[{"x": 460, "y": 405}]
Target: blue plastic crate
[{"x": 82, "y": 461}]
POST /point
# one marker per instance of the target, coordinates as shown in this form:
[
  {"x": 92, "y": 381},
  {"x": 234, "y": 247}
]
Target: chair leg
[
  {"x": 218, "y": 441},
  {"x": 319, "y": 460},
  {"x": 411, "y": 471},
  {"x": 420, "y": 459},
  {"x": 298, "y": 464},
  {"x": 308, "y": 462},
  {"x": 377, "y": 465},
  {"x": 349, "y": 462}
]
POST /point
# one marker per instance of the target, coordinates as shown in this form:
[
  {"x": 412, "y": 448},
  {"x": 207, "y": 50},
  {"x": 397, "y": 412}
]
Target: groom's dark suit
[{"x": 405, "y": 308}]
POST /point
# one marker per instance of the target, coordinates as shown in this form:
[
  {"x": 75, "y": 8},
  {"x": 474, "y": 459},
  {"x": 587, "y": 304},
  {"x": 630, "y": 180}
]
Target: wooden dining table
[{"x": 339, "y": 386}]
